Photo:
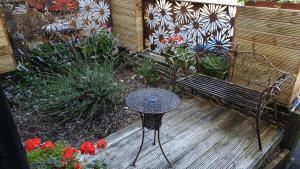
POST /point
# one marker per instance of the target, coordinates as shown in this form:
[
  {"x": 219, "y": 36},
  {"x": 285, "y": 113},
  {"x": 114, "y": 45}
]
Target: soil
[
  {"x": 272, "y": 156},
  {"x": 31, "y": 125}
]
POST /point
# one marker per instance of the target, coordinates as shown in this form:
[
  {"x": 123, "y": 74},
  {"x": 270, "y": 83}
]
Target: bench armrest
[{"x": 271, "y": 93}]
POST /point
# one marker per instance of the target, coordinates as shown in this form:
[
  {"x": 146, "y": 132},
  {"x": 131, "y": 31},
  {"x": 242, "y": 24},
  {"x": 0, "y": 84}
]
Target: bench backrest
[
  {"x": 253, "y": 70},
  {"x": 271, "y": 32}
]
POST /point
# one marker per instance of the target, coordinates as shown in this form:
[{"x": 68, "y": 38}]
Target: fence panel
[{"x": 197, "y": 23}]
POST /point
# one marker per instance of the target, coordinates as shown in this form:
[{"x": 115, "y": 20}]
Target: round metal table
[{"x": 152, "y": 104}]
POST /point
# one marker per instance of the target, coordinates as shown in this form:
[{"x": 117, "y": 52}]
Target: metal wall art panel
[{"x": 197, "y": 23}]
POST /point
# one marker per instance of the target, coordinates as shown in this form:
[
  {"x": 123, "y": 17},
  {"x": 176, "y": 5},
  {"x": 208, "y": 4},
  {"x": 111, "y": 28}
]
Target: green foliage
[
  {"x": 85, "y": 91},
  {"x": 46, "y": 159},
  {"x": 181, "y": 54},
  {"x": 149, "y": 71},
  {"x": 215, "y": 66},
  {"x": 99, "y": 46}
]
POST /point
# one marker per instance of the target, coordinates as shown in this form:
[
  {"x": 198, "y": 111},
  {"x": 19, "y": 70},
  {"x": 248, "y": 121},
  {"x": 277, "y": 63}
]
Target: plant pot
[
  {"x": 262, "y": 4},
  {"x": 273, "y": 5},
  {"x": 290, "y": 6}
]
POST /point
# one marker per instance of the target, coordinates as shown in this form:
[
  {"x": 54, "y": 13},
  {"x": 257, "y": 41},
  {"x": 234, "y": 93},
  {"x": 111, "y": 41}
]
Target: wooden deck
[{"x": 199, "y": 134}]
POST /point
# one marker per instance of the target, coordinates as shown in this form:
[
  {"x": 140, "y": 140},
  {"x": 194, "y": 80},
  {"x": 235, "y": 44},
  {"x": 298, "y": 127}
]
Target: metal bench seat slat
[
  {"x": 222, "y": 82},
  {"x": 227, "y": 98},
  {"x": 227, "y": 89}
]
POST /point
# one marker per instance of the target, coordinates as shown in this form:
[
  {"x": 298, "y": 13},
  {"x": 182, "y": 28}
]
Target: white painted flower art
[
  {"x": 214, "y": 16},
  {"x": 183, "y": 11},
  {"x": 164, "y": 12},
  {"x": 101, "y": 12},
  {"x": 151, "y": 16}
]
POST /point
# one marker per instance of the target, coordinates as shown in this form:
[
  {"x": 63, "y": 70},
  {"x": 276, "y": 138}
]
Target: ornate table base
[{"x": 152, "y": 122}]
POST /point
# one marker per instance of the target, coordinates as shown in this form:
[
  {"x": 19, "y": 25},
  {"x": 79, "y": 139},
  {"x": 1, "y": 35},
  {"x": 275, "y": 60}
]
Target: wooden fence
[{"x": 274, "y": 33}]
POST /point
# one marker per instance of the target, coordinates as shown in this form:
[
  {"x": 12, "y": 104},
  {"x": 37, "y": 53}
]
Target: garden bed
[{"x": 31, "y": 125}]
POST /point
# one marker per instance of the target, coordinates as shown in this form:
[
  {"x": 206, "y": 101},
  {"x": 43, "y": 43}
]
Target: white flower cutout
[
  {"x": 214, "y": 16},
  {"x": 151, "y": 16},
  {"x": 101, "y": 12},
  {"x": 149, "y": 43},
  {"x": 160, "y": 34},
  {"x": 164, "y": 12},
  {"x": 86, "y": 9},
  {"x": 176, "y": 28},
  {"x": 183, "y": 11},
  {"x": 91, "y": 28},
  {"x": 230, "y": 21},
  {"x": 195, "y": 26},
  {"x": 220, "y": 39}
]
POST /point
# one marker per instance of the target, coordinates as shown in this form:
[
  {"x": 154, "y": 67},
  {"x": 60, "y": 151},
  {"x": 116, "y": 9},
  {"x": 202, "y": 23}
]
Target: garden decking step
[{"x": 198, "y": 134}]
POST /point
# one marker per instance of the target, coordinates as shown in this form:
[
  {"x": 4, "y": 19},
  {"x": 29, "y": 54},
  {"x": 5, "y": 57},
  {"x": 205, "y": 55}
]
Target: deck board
[{"x": 198, "y": 134}]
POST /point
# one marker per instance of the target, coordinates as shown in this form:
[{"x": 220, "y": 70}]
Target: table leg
[
  {"x": 154, "y": 138},
  {"x": 143, "y": 135},
  {"x": 170, "y": 165}
]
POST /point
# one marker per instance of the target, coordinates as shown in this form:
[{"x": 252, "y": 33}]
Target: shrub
[
  {"x": 149, "y": 71},
  {"x": 99, "y": 46},
  {"x": 50, "y": 155},
  {"x": 179, "y": 52},
  {"x": 85, "y": 91},
  {"x": 215, "y": 66}
]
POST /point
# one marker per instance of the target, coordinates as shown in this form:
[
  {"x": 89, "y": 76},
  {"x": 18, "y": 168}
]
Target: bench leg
[
  {"x": 258, "y": 132},
  {"x": 276, "y": 114}
]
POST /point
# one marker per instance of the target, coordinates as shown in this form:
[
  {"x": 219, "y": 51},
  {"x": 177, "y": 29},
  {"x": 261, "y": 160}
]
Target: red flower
[
  {"x": 172, "y": 39},
  {"x": 31, "y": 144},
  {"x": 87, "y": 148},
  {"x": 77, "y": 166},
  {"x": 68, "y": 153},
  {"x": 179, "y": 38},
  {"x": 164, "y": 41},
  {"x": 65, "y": 5},
  {"x": 48, "y": 145},
  {"x": 102, "y": 143}
]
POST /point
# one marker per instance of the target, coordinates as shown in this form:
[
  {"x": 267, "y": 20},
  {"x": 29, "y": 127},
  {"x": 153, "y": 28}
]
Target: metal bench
[{"x": 257, "y": 68}]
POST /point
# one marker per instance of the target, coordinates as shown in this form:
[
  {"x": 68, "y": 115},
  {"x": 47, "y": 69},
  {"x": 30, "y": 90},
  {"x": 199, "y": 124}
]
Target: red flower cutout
[
  {"x": 172, "y": 39},
  {"x": 68, "y": 153},
  {"x": 179, "y": 38},
  {"x": 64, "y": 5},
  {"x": 31, "y": 144},
  {"x": 87, "y": 148},
  {"x": 102, "y": 143},
  {"x": 164, "y": 41},
  {"x": 77, "y": 166},
  {"x": 48, "y": 145}
]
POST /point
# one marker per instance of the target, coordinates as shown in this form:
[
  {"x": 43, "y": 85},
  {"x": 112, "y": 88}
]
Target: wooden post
[
  {"x": 7, "y": 61},
  {"x": 292, "y": 134},
  {"x": 128, "y": 23}
]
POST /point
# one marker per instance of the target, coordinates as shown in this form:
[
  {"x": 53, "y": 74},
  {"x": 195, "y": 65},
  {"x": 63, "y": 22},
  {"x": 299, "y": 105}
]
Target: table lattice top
[{"x": 152, "y": 101}]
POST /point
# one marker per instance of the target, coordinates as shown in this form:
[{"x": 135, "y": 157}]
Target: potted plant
[
  {"x": 179, "y": 52},
  {"x": 215, "y": 66},
  {"x": 60, "y": 155},
  {"x": 283, "y": 4}
]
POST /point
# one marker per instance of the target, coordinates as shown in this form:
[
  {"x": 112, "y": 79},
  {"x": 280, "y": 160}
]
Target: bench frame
[{"x": 268, "y": 96}]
